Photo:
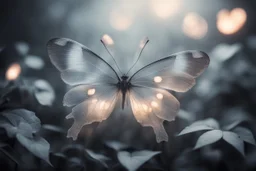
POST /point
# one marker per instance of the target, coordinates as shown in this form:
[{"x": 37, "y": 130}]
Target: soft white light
[
  {"x": 13, "y": 72},
  {"x": 91, "y": 91},
  {"x": 194, "y": 26},
  {"x": 120, "y": 21},
  {"x": 230, "y": 22},
  {"x": 107, "y": 39},
  {"x": 165, "y": 8},
  {"x": 154, "y": 104},
  {"x": 158, "y": 79},
  {"x": 160, "y": 96}
]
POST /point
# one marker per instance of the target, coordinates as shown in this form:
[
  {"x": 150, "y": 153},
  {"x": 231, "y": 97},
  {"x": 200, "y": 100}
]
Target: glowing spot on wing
[
  {"x": 94, "y": 100},
  {"x": 91, "y": 91},
  {"x": 107, "y": 39},
  {"x": 154, "y": 104},
  {"x": 13, "y": 72},
  {"x": 158, "y": 79},
  {"x": 104, "y": 105},
  {"x": 160, "y": 96},
  {"x": 165, "y": 8},
  {"x": 145, "y": 107},
  {"x": 107, "y": 105}
]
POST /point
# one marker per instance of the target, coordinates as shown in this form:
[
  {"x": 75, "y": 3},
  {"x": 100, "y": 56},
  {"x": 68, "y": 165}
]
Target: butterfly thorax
[{"x": 123, "y": 86}]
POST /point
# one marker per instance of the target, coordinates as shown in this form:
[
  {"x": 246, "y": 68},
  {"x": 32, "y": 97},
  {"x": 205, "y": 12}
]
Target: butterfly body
[
  {"x": 97, "y": 85},
  {"x": 124, "y": 86}
]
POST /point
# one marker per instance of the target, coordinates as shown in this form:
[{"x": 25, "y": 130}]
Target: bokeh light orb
[
  {"x": 13, "y": 72},
  {"x": 165, "y": 8},
  {"x": 120, "y": 21},
  {"x": 194, "y": 26},
  {"x": 230, "y": 22}
]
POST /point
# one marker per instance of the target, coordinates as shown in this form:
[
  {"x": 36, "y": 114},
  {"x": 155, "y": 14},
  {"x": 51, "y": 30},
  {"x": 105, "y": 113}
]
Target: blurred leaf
[
  {"x": 116, "y": 145},
  {"x": 233, "y": 117},
  {"x": 22, "y": 48},
  {"x": 36, "y": 145},
  {"x": 34, "y": 62},
  {"x": 210, "y": 122},
  {"x": 20, "y": 121},
  {"x": 132, "y": 161},
  {"x": 182, "y": 114},
  {"x": 223, "y": 52},
  {"x": 53, "y": 128},
  {"x": 245, "y": 134},
  {"x": 99, "y": 157},
  {"x": 44, "y": 92},
  {"x": 194, "y": 128},
  {"x": 234, "y": 140},
  {"x": 207, "y": 138}
]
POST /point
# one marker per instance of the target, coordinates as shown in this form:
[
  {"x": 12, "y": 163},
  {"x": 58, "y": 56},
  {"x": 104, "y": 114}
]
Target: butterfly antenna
[
  {"x": 143, "y": 44},
  {"x": 105, "y": 41}
]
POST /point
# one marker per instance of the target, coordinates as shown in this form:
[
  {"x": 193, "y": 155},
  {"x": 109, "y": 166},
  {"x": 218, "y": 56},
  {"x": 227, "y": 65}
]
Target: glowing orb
[
  {"x": 120, "y": 21},
  {"x": 194, "y": 26},
  {"x": 230, "y": 22},
  {"x": 13, "y": 72},
  {"x": 165, "y": 8}
]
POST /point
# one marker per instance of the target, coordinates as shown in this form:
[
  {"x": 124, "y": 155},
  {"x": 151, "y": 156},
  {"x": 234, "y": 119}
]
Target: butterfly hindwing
[
  {"x": 93, "y": 104},
  {"x": 152, "y": 106}
]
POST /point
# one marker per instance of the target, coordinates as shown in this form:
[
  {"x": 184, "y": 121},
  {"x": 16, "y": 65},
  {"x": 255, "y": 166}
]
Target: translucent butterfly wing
[
  {"x": 152, "y": 106},
  {"x": 150, "y": 101},
  {"x": 95, "y": 94},
  {"x": 94, "y": 103},
  {"x": 78, "y": 64},
  {"x": 176, "y": 72}
]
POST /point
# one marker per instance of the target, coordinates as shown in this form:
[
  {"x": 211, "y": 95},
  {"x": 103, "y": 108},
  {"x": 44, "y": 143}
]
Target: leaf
[
  {"x": 132, "y": 161},
  {"x": 44, "y": 92},
  {"x": 234, "y": 140},
  {"x": 99, "y": 157},
  {"x": 207, "y": 138},
  {"x": 245, "y": 134},
  {"x": 194, "y": 128},
  {"x": 210, "y": 122},
  {"x": 36, "y": 145},
  {"x": 20, "y": 121},
  {"x": 116, "y": 145}
]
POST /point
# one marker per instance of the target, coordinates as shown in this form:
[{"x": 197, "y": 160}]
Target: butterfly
[{"x": 97, "y": 86}]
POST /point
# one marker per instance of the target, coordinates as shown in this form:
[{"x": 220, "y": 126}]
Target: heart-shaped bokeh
[{"x": 230, "y": 22}]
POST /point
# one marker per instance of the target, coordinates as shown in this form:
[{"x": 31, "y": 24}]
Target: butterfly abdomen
[{"x": 123, "y": 86}]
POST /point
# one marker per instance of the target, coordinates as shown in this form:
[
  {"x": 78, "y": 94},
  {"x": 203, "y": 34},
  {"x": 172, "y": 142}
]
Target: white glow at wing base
[
  {"x": 13, "y": 72},
  {"x": 91, "y": 91},
  {"x": 158, "y": 79}
]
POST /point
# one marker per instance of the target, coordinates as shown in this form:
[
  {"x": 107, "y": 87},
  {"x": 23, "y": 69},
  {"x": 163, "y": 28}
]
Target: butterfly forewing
[
  {"x": 176, "y": 72},
  {"x": 78, "y": 64},
  {"x": 152, "y": 106}
]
